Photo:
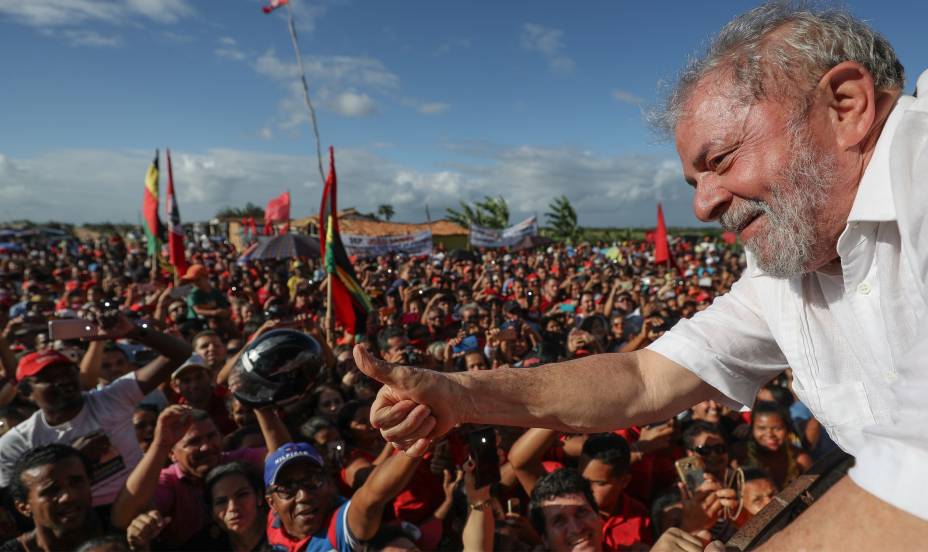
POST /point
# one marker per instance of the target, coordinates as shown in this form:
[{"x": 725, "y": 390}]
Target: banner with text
[
  {"x": 414, "y": 245},
  {"x": 489, "y": 237}
]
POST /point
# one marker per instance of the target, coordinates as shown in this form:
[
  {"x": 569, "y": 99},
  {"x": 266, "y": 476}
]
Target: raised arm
[
  {"x": 91, "y": 364},
  {"x": 384, "y": 483},
  {"x": 526, "y": 455},
  {"x": 587, "y": 395},
  {"x": 139, "y": 489},
  {"x": 172, "y": 352}
]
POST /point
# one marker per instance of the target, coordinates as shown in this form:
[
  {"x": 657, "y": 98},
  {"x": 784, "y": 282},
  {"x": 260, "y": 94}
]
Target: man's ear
[
  {"x": 23, "y": 508},
  {"x": 269, "y": 500},
  {"x": 850, "y": 96}
]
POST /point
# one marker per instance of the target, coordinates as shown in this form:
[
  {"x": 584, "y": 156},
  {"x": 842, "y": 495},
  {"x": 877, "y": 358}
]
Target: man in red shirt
[
  {"x": 605, "y": 463},
  {"x": 193, "y": 383}
]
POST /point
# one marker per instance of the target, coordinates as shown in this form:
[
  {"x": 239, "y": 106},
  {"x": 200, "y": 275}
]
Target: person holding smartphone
[{"x": 99, "y": 421}]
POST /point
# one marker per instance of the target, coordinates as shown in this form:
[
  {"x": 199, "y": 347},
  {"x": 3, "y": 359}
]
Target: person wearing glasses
[
  {"x": 306, "y": 511},
  {"x": 703, "y": 439}
]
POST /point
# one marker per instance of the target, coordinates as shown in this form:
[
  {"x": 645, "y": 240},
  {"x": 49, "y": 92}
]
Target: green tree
[
  {"x": 562, "y": 219},
  {"x": 489, "y": 212},
  {"x": 249, "y": 210},
  {"x": 386, "y": 211}
]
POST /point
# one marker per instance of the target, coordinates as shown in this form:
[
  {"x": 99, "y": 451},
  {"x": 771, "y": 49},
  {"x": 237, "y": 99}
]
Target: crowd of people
[{"x": 134, "y": 437}]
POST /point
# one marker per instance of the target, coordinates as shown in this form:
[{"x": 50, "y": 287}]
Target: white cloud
[
  {"x": 549, "y": 43},
  {"x": 627, "y": 97},
  {"x": 163, "y": 11},
  {"x": 433, "y": 108},
  {"x": 90, "y": 38},
  {"x": 605, "y": 190},
  {"x": 265, "y": 133},
  {"x": 351, "y": 104},
  {"x": 228, "y": 49},
  {"x": 72, "y": 13},
  {"x": 452, "y": 45}
]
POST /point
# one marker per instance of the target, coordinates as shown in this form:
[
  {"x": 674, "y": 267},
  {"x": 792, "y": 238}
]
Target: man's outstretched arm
[
  {"x": 595, "y": 393},
  {"x": 850, "y": 519}
]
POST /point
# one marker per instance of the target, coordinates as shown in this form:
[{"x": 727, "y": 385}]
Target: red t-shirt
[{"x": 631, "y": 526}]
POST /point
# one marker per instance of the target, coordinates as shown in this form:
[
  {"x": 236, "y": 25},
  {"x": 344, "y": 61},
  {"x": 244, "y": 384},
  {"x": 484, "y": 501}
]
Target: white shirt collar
[{"x": 874, "y": 200}]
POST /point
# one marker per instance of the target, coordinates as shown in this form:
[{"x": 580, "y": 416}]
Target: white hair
[{"x": 782, "y": 49}]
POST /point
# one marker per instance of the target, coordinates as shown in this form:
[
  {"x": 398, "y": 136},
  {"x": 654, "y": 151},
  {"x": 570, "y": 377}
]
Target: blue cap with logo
[{"x": 286, "y": 454}]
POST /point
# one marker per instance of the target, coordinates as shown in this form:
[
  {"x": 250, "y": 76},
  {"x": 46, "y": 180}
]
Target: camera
[{"x": 411, "y": 356}]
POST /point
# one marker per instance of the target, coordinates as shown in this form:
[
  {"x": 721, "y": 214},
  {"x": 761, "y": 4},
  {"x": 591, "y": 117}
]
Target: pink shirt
[{"x": 180, "y": 496}]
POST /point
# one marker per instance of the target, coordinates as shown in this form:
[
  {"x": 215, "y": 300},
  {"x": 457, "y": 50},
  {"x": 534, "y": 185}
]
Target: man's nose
[{"x": 711, "y": 198}]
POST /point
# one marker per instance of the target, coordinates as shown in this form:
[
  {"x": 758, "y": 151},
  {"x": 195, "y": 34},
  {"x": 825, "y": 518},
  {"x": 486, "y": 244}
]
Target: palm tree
[
  {"x": 250, "y": 210},
  {"x": 562, "y": 219},
  {"x": 489, "y": 212},
  {"x": 386, "y": 211}
]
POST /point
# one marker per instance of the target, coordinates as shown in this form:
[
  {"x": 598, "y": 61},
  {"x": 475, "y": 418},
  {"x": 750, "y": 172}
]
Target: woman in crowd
[{"x": 769, "y": 448}]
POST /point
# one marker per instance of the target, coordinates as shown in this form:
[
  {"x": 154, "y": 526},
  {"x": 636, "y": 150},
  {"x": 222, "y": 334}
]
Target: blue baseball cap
[{"x": 286, "y": 454}]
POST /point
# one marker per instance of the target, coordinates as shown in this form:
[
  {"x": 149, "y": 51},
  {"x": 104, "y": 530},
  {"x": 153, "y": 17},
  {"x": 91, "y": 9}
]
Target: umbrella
[
  {"x": 531, "y": 242},
  {"x": 288, "y": 246},
  {"x": 463, "y": 255}
]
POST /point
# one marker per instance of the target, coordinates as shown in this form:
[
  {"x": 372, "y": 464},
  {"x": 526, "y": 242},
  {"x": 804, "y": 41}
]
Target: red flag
[
  {"x": 273, "y": 5},
  {"x": 175, "y": 230},
  {"x": 268, "y": 228},
  {"x": 278, "y": 209},
  {"x": 661, "y": 249},
  {"x": 253, "y": 226}
]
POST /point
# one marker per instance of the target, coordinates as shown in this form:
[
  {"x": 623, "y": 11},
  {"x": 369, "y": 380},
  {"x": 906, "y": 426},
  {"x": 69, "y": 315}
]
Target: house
[{"x": 448, "y": 234}]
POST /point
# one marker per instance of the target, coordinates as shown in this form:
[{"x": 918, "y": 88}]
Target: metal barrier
[{"x": 792, "y": 501}]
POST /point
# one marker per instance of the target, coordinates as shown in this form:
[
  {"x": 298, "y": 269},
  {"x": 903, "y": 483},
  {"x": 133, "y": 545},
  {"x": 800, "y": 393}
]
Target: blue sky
[{"x": 425, "y": 102}]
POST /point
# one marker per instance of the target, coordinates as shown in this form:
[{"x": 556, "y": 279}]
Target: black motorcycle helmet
[{"x": 278, "y": 367}]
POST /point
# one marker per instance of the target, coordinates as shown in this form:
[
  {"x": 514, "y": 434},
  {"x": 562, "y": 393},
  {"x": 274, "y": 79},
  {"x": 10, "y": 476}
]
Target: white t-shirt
[
  {"x": 852, "y": 333},
  {"x": 108, "y": 410}
]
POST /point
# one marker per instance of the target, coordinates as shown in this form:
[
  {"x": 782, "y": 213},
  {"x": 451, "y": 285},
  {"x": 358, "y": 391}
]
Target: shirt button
[{"x": 863, "y": 288}]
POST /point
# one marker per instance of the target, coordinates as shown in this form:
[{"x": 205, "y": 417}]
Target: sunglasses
[{"x": 706, "y": 450}]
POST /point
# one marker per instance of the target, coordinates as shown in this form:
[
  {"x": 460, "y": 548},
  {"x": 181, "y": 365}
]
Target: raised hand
[
  {"x": 173, "y": 423},
  {"x": 414, "y": 407},
  {"x": 145, "y": 527}
]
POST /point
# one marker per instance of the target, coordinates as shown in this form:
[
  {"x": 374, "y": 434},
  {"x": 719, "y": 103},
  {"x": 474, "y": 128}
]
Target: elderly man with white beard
[{"x": 794, "y": 131}]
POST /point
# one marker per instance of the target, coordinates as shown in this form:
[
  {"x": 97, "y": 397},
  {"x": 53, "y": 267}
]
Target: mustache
[{"x": 738, "y": 216}]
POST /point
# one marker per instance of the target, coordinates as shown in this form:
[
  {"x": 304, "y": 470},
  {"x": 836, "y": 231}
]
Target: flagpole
[
  {"x": 329, "y": 312},
  {"x": 309, "y": 104}
]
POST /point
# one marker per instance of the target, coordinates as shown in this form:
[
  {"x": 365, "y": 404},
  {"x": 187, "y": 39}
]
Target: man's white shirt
[{"x": 855, "y": 334}]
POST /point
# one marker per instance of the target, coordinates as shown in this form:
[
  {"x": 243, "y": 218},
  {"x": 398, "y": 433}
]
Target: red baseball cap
[{"x": 33, "y": 363}]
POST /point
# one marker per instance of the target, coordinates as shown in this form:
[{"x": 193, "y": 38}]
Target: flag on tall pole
[
  {"x": 661, "y": 245},
  {"x": 278, "y": 210},
  {"x": 175, "y": 231},
  {"x": 349, "y": 302},
  {"x": 153, "y": 228},
  {"x": 273, "y": 5}
]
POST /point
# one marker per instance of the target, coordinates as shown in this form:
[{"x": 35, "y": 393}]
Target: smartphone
[
  {"x": 567, "y": 307},
  {"x": 181, "y": 292},
  {"x": 71, "y": 329},
  {"x": 483, "y": 450},
  {"x": 512, "y": 506},
  {"x": 691, "y": 471}
]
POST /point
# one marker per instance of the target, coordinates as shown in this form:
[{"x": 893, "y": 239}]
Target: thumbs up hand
[{"x": 414, "y": 407}]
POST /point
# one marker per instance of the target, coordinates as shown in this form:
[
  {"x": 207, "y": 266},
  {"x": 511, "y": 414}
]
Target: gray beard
[{"x": 787, "y": 245}]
